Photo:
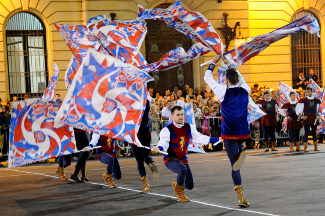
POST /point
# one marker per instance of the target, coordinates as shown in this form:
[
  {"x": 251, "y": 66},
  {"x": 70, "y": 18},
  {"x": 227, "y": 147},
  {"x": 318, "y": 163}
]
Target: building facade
[{"x": 27, "y": 52}]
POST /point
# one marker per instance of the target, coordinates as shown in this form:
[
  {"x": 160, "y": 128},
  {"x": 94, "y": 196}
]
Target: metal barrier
[
  {"x": 123, "y": 146},
  {"x": 4, "y": 141}
]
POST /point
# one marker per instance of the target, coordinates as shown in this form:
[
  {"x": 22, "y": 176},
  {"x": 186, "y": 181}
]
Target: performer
[
  {"x": 268, "y": 122},
  {"x": 64, "y": 161},
  {"x": 174, "y": 139},
  {"x": 141, "y": 154},
  {"x": 307, "y": 108},
  {"x": 107, "y": 155},
  {"x": 234, "y": 98},
  {"x": 81, "y": 141},
  {"x": 294, "y": 124}
]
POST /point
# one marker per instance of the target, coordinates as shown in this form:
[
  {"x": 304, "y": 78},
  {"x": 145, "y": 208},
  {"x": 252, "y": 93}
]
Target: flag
[
  {"x": 285, "y": 124},
  {"x": 121, "y": 38},
  {"x": 193, "y": 147},
  {"x": 192, "y": 24},
  {"x": 284, "y": 94},
  {"x": 321, "y": 126},
  {"x": 317, "y": 91},
  {"x": 71, "y": 71},
  {"x": 256, "y": 45},
  {"x": 33, "y": 136},
  {"x": 49, "y": 93},
  {"x": 254, "y": 112},
  {"x": 106, "y": 96},
  {"x": 176, "y": 57}
]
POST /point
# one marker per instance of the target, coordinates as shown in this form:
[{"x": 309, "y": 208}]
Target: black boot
[
  {"x": 83, "y": 174},
  {"x": 74, "y": 175}
]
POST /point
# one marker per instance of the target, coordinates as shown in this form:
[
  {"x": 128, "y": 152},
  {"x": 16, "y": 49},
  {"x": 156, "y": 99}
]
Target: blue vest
[{"x": 234, "y": 125}]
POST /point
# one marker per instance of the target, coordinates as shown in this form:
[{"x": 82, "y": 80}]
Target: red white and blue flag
[
  {"x": 33, "y": 136},
  {"x": 317, "y": 91},
  {"x": 192, "y": 24},
  {"x": 49, "y": 93},
  {"x": 106, "y": 96},
  {"x": 284, "y": 94},
  {"x": 254, "y": 112},
  {"x": 256, "y": 45}
]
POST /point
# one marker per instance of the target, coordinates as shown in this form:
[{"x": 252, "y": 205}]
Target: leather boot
[
  {"x": 74, "y": 175},
  {"x": 291, "y": 147},
  {"x": 241, "y": 199},
  {"x": 108, "y": 178},
  {"x": 154, "y": 170},
  {"x": 83, "y": 174},
  {"x": 306, "y": 147},
  {"x": 60, "y": 172},
  {"x": 298, "y": 146},
  {"x": 273, "y": 146},
  {"x": 266, "y": 147},
  {"x": 240, "y": 161},
  {"x": 179, "y": 192},
  {"x": 315, "y": 147},
  {"x": 146, "y": 186}
]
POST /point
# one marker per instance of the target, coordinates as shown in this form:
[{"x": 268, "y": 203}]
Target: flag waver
[
  {"x": 284, "y": 94},
  {"x": 33, "y": 136},
  {"x": 256, "y": 45},
  {"x": 106, "y": 96}
]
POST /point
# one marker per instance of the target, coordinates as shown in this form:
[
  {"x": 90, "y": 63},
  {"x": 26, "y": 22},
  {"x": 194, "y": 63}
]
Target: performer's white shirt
[
  {"x": 220, "y": 90},
  {"x": 166, "y": 112},
  {"x": 300, "y": 106},
  {"x": 283, "y": 111},
  {"x": 196, "y": 137}
]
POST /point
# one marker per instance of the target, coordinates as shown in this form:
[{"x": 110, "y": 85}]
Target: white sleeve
[
  {"x": 163, "y": 112},
  {"x": 299, "y": 108},
  {"x": 164, "y": 140},
  {"x": 94, "y": 139},
  {"x": 318, "y": 113},
  {"x": 219, "y": 90},
  {"x": 276, "y": 108},
  {"x": 283, "y": 112},
  {"x": 198, "y": 137}
]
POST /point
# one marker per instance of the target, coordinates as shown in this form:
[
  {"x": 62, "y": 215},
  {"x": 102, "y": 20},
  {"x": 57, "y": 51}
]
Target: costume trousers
[
  {"x": 65, "y": 161},
  {"x": 313, "y": 130},
  {"x": 81, "y": 141},
  {"x": 269, "y": 132},
  {"x": 113, "y": 166},
  {"x": 142, "y": 155},
  {"x": 232, "y": 148},
  {"x": 184, "y": 173},
  {"x": 294, "y": 135}
]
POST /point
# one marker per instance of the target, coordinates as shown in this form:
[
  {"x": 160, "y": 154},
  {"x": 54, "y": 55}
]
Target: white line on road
[{"x": 156, "y": 194}]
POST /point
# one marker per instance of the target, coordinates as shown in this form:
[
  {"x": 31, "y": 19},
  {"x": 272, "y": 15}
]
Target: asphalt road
[{"x": 275, "y": 183}]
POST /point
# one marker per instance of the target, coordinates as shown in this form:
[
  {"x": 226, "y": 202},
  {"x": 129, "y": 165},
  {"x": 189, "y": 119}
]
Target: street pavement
[{"x": 275, "y": 183}]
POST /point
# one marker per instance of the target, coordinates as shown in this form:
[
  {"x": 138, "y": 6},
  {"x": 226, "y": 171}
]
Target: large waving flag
[
  {"x": 32, "y": 134},
  {"x": 321, "y": 126},
  {"x": 49, "y": 93},
  {"x": 106, "y": 96},
  {"x": 254, "y": 112},
  {"x": 257, "y": 44},
  {"x": 121, "y": 38},
  {"x": 176, "y": 57},
  {"x": 284, "y": 94},
  {"x": 193, "y": 24},
  {"x": 317, "y": 91},
  {"x": 71, "y": 71}
]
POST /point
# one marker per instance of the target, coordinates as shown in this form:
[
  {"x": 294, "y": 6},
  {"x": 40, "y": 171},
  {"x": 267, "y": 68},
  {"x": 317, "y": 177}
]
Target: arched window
[
  {"x": 27, "y": 58},
  {"x": 306, "y": 53}
]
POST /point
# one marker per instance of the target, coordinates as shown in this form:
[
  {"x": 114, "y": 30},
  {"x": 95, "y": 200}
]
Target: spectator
[
  {"x": 0, "y": 102},
  {"x": 179, "y": 94},
  {"x": 313, "y": 76},
  {"x": 197, "y": 91},
  {"x": 186, "y": 91},
  {"x": 157, "y": 94},
  {"x": 203, "y": 90},
  {"x": 301, "y": 81},
  {"x": 206, "y": 97},
  {"x": 150, "y": 91},
  {"x": 175, "y": 91},
  {"x": 154, "y": 119},
  {"x": 215, "y": 110},
  {"x": 26, "y": 96},
  {"x": 197, "y": 116},
  {"x": 254, "y": 97},
  {"x": 205, "y": 124},
  {"x": 255, "y": 87},
  {"x": 165, "y": 113},
  {"x": 190, "y": 96},
  {"x": 167, "y": 95},
  {"x": 173, "y": 97},
  {"x": 15, "y": 98}
]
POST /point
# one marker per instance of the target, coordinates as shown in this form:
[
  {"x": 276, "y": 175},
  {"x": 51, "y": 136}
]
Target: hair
[
  {"x": 169, "y": 101},
  {"x": 309, "y": 88},
  {"x": 232, "y": 76},
  {"x": 176, "y": 107},
  {"x": 206, "y": 107},
  {"x": 266, "y": 92},
  {"x": 291, "y": 93}
]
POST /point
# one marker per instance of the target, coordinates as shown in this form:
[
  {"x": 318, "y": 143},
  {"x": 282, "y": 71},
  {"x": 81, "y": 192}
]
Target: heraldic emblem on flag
[{"x": 106, "y": 96}]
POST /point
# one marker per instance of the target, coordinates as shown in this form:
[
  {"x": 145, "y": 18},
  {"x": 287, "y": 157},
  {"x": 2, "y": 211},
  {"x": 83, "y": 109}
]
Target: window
[
  {"x": 306, "y": 52},
  {"x": 27, "y": 58}
]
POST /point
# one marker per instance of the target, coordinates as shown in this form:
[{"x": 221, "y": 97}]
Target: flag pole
[{"x": 162, "y": 152}]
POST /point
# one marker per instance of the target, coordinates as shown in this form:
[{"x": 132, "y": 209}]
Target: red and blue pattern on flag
[
  {"x": 285, "y": 124},
  {"x": 254, "y": 112},
  {"x": 49, "y": 93},
  {"x": 106, "y": 96},
  {"x": 71, "y": 71},
  {"x": 256, "y": 45},
  {"x": 284, "y": 94},
  {"x": 193, "y": 24},
  {"x": 176, "y": 57},
  {"x": 33, "y": 136},
  {"x": 121, "y": 38},
  {"x": 317, "y": 91}
]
